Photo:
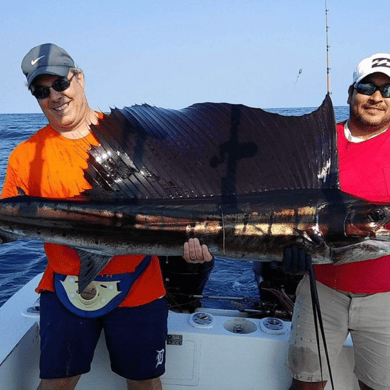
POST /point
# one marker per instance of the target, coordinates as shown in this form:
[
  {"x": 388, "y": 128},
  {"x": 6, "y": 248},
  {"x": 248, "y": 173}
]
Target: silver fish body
[{"x": 335, "y": 228}]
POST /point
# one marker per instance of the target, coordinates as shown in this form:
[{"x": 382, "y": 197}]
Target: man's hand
[
  {"x": 296, "y": 261},
  {"x": 195, "y": 253}
]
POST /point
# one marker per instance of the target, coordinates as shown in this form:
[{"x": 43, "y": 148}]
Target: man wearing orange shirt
[{"x": 50, "y": 164}]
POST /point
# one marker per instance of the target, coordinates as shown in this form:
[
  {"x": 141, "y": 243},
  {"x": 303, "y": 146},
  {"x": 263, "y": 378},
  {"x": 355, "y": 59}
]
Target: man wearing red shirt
[{"x": 354, "y": 297}]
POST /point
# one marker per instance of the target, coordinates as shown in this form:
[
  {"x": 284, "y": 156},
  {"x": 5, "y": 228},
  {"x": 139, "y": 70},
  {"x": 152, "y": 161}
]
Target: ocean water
[{"x": 20, "y": 261}]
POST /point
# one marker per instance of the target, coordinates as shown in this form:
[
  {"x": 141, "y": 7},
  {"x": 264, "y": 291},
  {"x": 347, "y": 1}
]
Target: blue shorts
[{"x": 135, "y": 338}]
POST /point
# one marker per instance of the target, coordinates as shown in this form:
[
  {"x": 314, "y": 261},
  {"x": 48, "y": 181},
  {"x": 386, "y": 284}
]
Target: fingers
[
  {"x": 296, "y": 260},
  {"x": 207, "y": 256},
  {"x": 287, "y": 260},
  {"x": 195, "y": 253},
  {"x": 308, "y": 262}
]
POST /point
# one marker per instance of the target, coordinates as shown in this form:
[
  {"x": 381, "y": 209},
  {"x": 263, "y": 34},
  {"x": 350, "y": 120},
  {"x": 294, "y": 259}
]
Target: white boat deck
[{"x": 199, "y": 357}]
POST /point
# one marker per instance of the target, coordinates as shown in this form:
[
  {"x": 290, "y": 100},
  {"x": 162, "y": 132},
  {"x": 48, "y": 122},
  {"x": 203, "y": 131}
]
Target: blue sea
[{"x": 20, "y": 261}]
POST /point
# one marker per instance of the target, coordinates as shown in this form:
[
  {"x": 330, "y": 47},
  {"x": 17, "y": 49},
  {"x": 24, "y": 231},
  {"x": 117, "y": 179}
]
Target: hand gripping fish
[{"x": 246, "y": 182}]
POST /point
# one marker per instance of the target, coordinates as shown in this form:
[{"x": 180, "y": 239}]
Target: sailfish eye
[{"x": 377, "y": 215}]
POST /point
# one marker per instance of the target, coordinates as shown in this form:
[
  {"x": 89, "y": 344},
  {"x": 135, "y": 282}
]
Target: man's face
[
  {"x": 65, "y": 110},
  {"x": 371, "y": 112}
]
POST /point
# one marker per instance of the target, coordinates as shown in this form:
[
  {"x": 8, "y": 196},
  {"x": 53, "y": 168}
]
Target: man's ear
[{"x": 80, "y": 79}]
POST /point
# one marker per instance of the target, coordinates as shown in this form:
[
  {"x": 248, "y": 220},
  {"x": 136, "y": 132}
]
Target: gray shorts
[{"x": 365, "y": 317}]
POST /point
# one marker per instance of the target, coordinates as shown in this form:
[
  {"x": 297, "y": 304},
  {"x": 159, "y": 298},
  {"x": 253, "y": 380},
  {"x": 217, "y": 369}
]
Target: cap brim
[
  {"x": 359, "y": 79},
  {"x": 51, "y": 70}
]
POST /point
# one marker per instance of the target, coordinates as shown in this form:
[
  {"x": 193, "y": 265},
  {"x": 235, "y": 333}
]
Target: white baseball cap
[{"x": 379, "y": 62}]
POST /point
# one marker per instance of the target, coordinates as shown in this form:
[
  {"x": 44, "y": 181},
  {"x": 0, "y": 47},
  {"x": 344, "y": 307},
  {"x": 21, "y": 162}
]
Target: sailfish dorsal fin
[{"x": 211, "y": 149}]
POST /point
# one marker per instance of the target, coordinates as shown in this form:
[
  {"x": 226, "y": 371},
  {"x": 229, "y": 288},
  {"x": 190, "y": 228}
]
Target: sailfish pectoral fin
[{"x": 91, "y": 265}]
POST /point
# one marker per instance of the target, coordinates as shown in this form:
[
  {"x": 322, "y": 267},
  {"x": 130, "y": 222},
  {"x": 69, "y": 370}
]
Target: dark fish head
[{"x": 368, "y": 221}]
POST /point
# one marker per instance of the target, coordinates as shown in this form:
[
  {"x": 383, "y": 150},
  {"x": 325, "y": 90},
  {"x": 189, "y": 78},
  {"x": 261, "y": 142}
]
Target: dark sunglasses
[
  {"x": 60, "y": 85},
  {"x": 369, "y": 89}
]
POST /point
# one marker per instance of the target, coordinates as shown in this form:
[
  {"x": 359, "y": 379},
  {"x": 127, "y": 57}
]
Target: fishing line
[
  {"x": 318, "y": 321},
  {"x": 223, "y": 231},
  {"x": 300, "y": 71}
]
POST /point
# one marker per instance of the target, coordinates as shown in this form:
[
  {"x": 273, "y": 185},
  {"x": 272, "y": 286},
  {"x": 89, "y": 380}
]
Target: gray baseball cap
[{"x": 46, "y": 59}]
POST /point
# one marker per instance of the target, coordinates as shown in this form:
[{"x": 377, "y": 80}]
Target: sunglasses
[
  {"x": 60, "y": 85},
  {"x": 369, "y": 89}
]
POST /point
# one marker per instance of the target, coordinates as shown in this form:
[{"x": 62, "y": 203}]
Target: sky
[{"x": 174, "y": 53}]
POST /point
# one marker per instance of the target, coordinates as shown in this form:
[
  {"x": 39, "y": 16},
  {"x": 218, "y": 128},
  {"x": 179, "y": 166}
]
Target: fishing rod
[
  {"x": 241, "y": 303},
  {"x": 327, "y": 49}
]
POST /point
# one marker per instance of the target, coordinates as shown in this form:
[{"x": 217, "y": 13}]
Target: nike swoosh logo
[{"x": 33, "y": 62}]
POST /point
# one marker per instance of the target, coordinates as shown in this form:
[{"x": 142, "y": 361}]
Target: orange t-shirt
[{"x": 52, "y": 166}]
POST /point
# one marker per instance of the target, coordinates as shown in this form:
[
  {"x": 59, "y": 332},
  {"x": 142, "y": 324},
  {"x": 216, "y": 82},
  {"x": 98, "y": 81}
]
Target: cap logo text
[{"x": 379, "y": 62}]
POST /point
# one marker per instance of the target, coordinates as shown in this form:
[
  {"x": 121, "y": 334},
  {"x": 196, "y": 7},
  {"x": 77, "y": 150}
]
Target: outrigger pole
[{"x": 327, "y": 49}]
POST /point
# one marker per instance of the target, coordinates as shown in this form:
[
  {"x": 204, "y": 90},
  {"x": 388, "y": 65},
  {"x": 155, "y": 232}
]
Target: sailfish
[{"x": 248, "y": 183}]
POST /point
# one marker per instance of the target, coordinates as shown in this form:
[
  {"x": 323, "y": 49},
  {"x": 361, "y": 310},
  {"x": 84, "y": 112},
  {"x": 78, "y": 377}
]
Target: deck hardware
[
  {"x": 174, "y": 339},
  {"x": 202, "y": 320},
  {"x": 272, "y": 325}
]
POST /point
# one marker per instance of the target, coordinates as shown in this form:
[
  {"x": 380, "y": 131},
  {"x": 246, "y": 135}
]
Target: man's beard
[{"x": 371, "y": 122}]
